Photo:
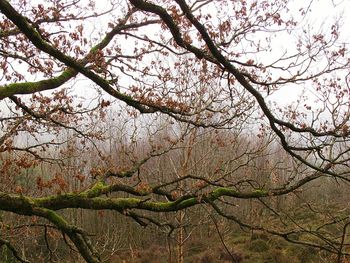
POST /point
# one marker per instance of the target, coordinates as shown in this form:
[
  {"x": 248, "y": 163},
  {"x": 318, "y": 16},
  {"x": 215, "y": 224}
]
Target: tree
[{"x": 102, "y": 94}]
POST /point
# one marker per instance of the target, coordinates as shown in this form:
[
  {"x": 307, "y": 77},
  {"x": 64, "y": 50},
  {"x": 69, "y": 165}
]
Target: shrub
[
  {"x": 258, "y": 245},
  {"x": 277, "y": 256}
]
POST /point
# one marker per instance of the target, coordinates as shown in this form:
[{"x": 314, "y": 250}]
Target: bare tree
[{"x": 209, "y": 66}]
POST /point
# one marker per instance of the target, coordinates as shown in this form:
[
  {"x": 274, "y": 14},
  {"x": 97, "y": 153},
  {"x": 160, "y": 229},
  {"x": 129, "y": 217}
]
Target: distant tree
[{"x": 147, "y": 108}]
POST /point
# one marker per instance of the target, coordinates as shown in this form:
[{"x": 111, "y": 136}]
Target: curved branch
[{"x": 14, "y": 251}]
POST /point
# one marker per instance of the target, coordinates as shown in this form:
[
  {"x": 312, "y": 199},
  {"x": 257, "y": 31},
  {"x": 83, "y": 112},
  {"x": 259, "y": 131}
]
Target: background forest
[{"x": 174, "y": 131}]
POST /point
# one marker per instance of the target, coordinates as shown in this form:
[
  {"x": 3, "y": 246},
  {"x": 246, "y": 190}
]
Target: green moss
[
  {"x": 54, "y": 218},
  {"x": 96, "y": 190},
  {"x": 126, "y": 203},
  {"x": 220, "y": 192},
  {"x": 42, "y": 201},
  {"x": 186, "y": 203},
  {"x": 31, "y": 87},
  {"x": 259, "y": 192}
]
